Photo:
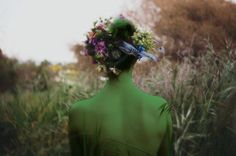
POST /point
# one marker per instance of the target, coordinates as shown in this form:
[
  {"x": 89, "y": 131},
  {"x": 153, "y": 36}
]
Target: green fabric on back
[{"x": 121, "y": 120}]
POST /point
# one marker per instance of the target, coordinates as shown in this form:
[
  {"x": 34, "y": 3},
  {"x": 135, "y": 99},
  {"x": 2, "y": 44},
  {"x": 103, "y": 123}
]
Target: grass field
[{"x": 199, "y": 91}]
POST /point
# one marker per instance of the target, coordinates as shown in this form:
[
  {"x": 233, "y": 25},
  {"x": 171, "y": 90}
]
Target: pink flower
[
  {"x": 100, "y": 47},
  {"x": 121, "y": 16},
  {"x": 101, "y": 26}
]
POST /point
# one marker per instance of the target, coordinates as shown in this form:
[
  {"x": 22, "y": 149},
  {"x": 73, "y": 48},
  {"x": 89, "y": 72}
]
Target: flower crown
[{"x": 109, "y": 38}]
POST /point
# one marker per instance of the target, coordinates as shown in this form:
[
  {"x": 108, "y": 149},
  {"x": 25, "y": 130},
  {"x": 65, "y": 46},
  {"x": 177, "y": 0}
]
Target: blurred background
[{"x": 43, "y": 72}]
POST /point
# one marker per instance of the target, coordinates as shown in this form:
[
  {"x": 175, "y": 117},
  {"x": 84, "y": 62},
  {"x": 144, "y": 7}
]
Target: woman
[{"x": 121, "y": 119}]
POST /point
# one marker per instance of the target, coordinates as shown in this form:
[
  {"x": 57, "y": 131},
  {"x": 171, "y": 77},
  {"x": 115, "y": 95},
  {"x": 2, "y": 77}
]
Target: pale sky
[{"x": 45, "y": 29}]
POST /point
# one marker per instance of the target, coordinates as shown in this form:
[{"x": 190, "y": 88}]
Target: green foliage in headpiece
[{"x": 122, "y": 29}]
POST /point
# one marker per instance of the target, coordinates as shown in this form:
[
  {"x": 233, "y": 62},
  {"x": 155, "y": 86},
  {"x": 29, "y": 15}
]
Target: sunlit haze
[{"x": 46, "y": 29}]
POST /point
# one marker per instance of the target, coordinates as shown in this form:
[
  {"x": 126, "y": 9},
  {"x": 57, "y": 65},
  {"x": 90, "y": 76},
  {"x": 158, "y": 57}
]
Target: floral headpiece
[{"x": 109, "y": 38}]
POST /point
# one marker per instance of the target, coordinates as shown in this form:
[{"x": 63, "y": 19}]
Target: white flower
[
  {"x": 161, "y": 49},
  {"x": 102, "y": 78},
  {"x": 115, "y": 70}
]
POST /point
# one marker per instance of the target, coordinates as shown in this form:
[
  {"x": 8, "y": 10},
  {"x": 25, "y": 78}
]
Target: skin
[{"x": 120, "y": 120}]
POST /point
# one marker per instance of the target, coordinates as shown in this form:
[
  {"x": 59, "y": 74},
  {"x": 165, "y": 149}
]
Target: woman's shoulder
[
  {"x": 162, "y": 104},
  {"x": 79, "y": 107},
  {"x": 155, "y": 100},
  {"x": 158, "y": 100},
  {"x": 78, "y": 111},
  {"x": 155, "y": 104},
  {"x": 79, "y": 104}
]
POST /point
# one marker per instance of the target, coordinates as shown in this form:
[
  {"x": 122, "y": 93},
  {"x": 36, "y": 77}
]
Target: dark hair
[
  {"x": 122, "y": 29},
  {"x": 125, "y": 63}
]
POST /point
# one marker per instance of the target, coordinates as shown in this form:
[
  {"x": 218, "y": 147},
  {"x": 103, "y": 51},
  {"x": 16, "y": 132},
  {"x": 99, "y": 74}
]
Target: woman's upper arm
[
  {"x": 78, "y": 140},
  {"x": 166, "y": 148},
  {"x": 73, "y": 135}
]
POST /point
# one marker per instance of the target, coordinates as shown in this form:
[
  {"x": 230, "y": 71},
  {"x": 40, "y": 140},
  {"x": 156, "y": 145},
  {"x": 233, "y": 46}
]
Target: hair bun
[
  {"x": 116, "y": 44},
  {"x": 122, "y": 29}
]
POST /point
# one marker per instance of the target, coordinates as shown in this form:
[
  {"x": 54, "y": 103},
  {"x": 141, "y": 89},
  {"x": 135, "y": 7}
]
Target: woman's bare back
[{"x": 121, "y": 125}]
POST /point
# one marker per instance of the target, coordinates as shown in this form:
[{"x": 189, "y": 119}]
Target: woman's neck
[{"x": 122, "y": 85}]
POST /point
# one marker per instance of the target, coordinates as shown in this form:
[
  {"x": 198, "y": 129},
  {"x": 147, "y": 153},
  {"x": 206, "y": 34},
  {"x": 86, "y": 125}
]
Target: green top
[{"x": 120, "y": 120}]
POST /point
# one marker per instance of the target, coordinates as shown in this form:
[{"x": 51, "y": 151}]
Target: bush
[
  {"x": 8, "y": 74},
  {"x": 187, "y": 23}
]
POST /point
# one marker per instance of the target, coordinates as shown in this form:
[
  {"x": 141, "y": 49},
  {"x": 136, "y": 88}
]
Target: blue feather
[{"x": 139, "y": 53}]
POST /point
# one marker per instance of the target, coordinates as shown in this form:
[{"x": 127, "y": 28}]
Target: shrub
[
  {"x": 185, "y": 25},
  {"x": 8, "y": 73}
]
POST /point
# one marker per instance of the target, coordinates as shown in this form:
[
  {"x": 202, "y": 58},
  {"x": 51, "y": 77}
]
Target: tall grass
[
  {"x": 198, "y": 90},
  {"x": 40, "y": 120}
]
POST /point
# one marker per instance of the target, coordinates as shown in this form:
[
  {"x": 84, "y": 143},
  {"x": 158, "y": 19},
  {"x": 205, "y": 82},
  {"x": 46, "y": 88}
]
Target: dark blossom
[{"x": 93, "y": 41}]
